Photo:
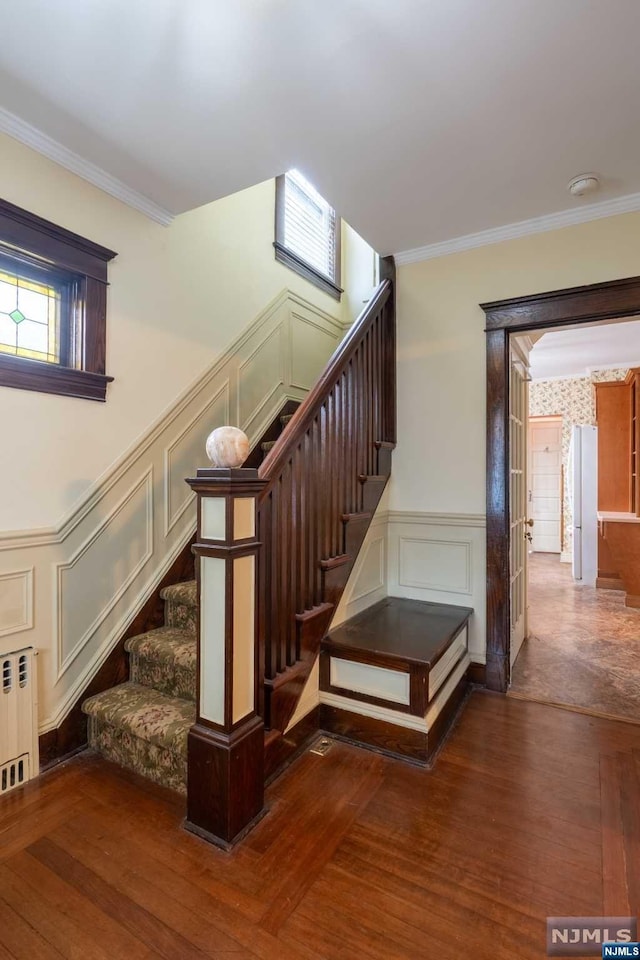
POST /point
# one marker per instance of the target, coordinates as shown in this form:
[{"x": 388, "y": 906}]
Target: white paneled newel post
[{"x": 225, "y": 784}]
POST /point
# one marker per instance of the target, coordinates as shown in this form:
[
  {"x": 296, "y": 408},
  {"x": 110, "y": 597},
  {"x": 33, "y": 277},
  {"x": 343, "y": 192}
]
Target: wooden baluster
[
  {"x": 325, "y": 523},
  {"x": 301, "y": 558},
  {"x": 351, "y": 440},
  {"x": 336, "y": 475},
  {"x": 285, "y": 560},
  {"x": 318, "y": 483},
  {"x": 308, "y": 458},
  {"x": 391, "y": 373},
  {"x": 329, "y": 469},
  {"x": 376, "y": 383},
  {"x": 264, "y": 533},
  {"x": 354, "y": 432},
  {"x": 365, "y": 407},
  {"x": 369, "y": 405},
  {"x": 344, "y": 446},
  {"x": 358, "y": 422}
]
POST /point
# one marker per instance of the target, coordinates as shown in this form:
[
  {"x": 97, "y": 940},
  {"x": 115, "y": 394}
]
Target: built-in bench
[{"x": 393, "y": 677}]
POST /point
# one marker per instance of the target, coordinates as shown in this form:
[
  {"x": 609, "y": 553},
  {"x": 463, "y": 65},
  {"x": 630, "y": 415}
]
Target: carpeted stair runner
[{"x": 143, "y": 724}]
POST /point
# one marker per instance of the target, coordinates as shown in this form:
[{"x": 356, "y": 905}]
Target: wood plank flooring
[{"x": 530, "y": 811}]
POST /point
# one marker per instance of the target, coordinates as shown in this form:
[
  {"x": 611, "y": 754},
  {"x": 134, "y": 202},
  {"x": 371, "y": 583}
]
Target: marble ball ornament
[{"x": 227, "y": 447}]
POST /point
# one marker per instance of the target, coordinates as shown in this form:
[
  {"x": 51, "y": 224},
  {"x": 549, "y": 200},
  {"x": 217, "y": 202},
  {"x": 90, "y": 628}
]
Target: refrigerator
[{"x": 583, "y": 492}]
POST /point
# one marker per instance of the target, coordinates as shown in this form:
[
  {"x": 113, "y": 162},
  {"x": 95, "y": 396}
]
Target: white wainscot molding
[
  {"x": 77, "y": 586},
  {"x": 90, "y": 584},
  {"x": 368, "y": 580},
  {"x": 16, "y": 603},
  {"x": 441, "y": 558}
]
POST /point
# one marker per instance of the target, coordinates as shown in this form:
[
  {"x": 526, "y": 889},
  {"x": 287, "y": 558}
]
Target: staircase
[
  {"x": 144, "y": 724},
  {"x": 210, "y": 707},
  {"x": 325, "y": 467}
]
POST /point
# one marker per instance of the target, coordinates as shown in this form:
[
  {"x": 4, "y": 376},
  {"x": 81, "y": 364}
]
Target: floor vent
[
  {"x": 14, "y": 773},
  {"x": 18, "y": 719}
]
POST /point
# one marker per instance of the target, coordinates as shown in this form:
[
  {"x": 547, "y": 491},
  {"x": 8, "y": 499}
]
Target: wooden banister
[
  {"x": 314, "y": 400},
  {"x": 322, "y": 482}
]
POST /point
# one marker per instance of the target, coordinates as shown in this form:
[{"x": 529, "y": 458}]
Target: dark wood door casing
[{"x": 613, "y": 300}]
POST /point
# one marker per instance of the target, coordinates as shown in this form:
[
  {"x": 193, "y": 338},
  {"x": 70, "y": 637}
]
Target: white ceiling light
[{"x": 583, "y": 184}]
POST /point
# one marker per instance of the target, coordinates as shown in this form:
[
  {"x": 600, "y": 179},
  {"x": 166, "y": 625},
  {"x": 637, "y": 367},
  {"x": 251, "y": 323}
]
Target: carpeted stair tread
[
  {"x": 165, "y": 658},
  {"x": 181, "y": 606},
  {"x": 181, "y": 593},
  {"x": 169, "y": 644},
  {"x": 146, "y": 714}
]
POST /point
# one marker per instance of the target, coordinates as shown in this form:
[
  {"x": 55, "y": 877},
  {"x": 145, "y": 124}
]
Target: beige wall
[
  {"x": 439, "y": 463},
  {"x": 179, "y": 295}
]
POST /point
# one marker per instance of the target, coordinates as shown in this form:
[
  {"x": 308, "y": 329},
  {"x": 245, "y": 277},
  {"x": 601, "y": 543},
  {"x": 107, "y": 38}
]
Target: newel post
[{"x": 225, "y": 782}]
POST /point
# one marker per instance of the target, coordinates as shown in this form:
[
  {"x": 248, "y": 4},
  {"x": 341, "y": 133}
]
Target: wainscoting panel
[
  {"x": 94, "y": 579},
  {"x": 441, "y": 558},
  {"x": 71, "y": 591},
  {"x": 310, "y": 338},
  {"x": 435, "y": 564},
  {"x": 368, "y": 581},
  {"x": 260, "y": 375},
  {"x": 16, "y": 602},
  {"x": 181, "y": 454}
]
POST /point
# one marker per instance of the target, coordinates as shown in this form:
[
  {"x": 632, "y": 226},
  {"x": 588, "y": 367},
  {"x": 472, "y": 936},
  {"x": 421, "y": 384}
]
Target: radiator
[{"x": 19, "y": 760}]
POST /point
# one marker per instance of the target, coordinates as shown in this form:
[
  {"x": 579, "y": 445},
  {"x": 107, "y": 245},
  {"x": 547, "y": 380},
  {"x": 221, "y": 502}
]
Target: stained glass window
[{"x": 29, "y": 318}]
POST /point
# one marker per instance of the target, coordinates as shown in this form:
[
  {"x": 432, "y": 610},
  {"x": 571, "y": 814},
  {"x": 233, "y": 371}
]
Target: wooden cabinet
[
  {"x": 613, "y": 418},
  {"x": 618, "y": 421}
]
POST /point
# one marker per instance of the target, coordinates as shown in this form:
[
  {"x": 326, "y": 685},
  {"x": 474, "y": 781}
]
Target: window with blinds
[{"x": 307, "y": 232}]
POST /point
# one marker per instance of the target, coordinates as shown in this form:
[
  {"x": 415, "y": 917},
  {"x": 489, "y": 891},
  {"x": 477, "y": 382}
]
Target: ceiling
[
  {"x": 576, "y": 351},
  {"x": 420, "y": 121}
]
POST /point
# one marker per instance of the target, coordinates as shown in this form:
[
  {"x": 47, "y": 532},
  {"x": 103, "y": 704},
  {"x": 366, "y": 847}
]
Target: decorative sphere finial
[{"x": 227, "y": 447}]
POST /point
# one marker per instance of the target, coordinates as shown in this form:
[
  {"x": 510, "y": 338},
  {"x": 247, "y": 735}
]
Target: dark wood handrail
[{"x": 310, "y": 407}]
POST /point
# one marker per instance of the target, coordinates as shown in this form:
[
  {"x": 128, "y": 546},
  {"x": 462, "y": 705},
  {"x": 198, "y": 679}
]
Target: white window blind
[{"x": 309, "y": 225}]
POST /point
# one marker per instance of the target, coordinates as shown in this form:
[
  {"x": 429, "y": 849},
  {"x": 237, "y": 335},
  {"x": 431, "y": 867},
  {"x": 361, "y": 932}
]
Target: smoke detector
[{"x": 583, "y": 184}]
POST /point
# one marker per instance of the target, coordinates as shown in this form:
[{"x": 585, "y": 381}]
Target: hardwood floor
[{"x": 530, "y": 811}]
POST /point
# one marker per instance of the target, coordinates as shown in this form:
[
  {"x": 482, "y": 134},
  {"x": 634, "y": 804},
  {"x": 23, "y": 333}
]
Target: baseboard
[
  {"x": 477, "y": 674},
  {"x": 609, "y": 583}
]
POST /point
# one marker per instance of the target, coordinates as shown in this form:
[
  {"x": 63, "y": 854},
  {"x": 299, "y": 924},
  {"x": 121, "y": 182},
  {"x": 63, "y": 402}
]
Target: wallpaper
[{"x": 574, "y": 399}]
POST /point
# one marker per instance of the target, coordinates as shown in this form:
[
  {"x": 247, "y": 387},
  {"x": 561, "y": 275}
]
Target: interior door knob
[{"x": 529, "y": 523}]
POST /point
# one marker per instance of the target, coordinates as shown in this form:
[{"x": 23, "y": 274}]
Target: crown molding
[
  {"x": 14, "y": 127},
  {"x": 523, "y": 228}
]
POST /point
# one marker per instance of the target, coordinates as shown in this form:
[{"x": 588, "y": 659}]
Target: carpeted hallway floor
[{"x": 583, "y": 649}]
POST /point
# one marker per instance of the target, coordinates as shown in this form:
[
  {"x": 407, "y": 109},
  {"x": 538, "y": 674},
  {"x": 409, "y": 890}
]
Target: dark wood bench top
[{"x": 413, "y": 631}]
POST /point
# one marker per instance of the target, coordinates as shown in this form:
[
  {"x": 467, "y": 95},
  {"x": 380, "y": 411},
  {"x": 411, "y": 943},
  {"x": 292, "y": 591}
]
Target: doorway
[
  {"x": 616, "y": 300},
  {"x": 582, "y": 645}
]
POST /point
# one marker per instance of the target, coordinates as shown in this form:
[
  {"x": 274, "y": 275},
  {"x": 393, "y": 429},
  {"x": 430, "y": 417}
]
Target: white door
[
  {"x": 545, "y": 483},
  {"x": 519, "y": 528}
]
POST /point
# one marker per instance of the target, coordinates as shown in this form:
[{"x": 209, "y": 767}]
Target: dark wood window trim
[
  {"x": 40, "y": 245},
  {"x": 617, "y": 299},
  {"x": 290, "y": 259}
]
